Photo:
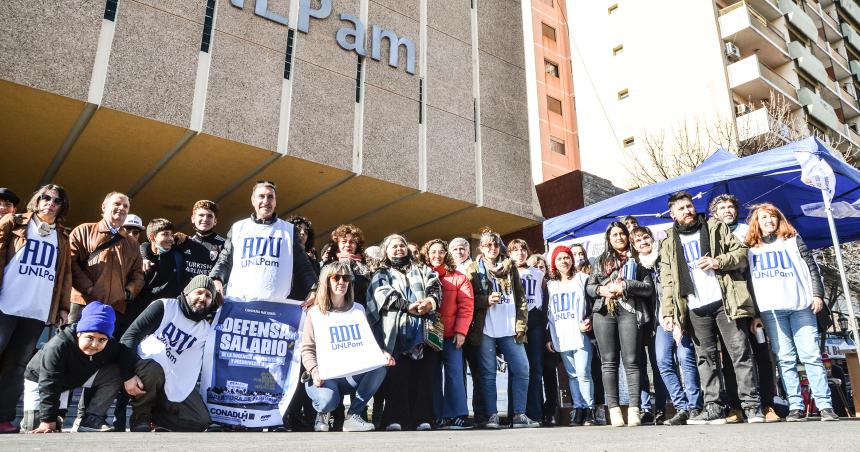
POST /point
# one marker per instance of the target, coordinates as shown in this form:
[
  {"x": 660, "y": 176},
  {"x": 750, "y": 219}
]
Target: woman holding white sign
[
  {"x": 568, "y": 318},
  {"x": 340, "y": 351},
  {"x": 789, "y": 293}
]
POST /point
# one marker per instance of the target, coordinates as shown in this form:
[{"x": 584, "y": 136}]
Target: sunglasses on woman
[
  {"x": 48, "y": 198},
  {"x": 340, "y": 278}
]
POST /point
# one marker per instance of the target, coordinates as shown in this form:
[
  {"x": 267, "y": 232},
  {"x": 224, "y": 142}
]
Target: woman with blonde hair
[
  {"x": 789, "y": 293},
  {"x": 340, "y": 351}
]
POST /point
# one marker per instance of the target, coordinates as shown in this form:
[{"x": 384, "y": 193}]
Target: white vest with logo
[
  {"x": 501, "y": 319},
  {"x": 345, "y": 344},
  {"x": 177, "y": 345},
  {"x": 262, "y": 261},
  {"x": 28, "y": 280},
  {"x": 566, "y": 309},
  {"x": 532, "y": 280},
  {"x": 780, "y": 277}
]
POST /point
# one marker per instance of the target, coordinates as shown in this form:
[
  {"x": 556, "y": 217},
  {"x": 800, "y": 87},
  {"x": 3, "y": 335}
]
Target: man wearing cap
[
  {"x": 106, "y": 262},
  {"x": 261, "y": 259},
  {"x": 8, "y": 201},
  {"x": 79, "y": 353},
  {"x": 134, "y": 227},
  {"x": 162, "y": 357}
]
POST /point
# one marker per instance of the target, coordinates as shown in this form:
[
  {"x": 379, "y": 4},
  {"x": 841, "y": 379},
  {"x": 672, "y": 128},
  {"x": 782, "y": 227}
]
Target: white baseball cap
[{"x": 134, "y": 221}]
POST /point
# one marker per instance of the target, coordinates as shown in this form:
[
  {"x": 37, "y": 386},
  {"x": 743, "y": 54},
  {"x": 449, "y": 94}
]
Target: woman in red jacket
[{"x": 456, "y": 311}]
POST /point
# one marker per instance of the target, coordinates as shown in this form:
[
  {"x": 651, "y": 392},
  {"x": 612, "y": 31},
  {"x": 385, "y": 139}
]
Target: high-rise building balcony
[
  {"x": 747, "y": 29},
  {"x": 755, "y": 82},
  {"x": 851, "y": 36},
  {"x": 823, "y": 20},
  {"x": 819, "y": 109},
  {"x": 851, "y": 9},
  {"x": 799, "y": 19},
  {"x": 854, "y": 66},
  {"x": 767, "y": 8},
  {"x": 841, "y": 69},
  {"x": 759, "y": 122},
  {"x": 808, "y": 63}
]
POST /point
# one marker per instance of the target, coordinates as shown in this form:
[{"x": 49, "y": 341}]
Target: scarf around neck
[{"x": 685, "y": 281}]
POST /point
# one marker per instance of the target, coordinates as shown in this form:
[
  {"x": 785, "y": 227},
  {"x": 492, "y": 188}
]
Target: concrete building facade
[
  {"x": 405, "y": 115},
  {"x": 644, "y": 68}
]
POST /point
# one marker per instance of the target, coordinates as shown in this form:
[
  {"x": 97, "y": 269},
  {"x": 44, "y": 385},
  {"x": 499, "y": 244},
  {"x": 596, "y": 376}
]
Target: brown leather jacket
[
  {"x": 115, "y": 270},
  {"x": 13, "y": 235}
]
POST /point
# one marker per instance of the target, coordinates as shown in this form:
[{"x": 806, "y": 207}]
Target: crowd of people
[{"x": 705, "y": 304}]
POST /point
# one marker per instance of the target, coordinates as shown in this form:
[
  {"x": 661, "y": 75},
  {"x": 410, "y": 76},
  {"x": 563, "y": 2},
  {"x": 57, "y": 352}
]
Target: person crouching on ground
[
  {"x": 336, "y": 321},
  {"x": 77, "y": 353},
  {"x": 162, "y": 377}
]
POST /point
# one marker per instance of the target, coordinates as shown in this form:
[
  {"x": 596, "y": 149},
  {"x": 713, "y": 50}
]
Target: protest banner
[{"x": 251, "y": 363}]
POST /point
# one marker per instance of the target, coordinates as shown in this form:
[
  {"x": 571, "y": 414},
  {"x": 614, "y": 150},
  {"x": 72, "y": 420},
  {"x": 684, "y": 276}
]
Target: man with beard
[
  {"x": 725, "y": 208},
  {"x": 704, "y": 292},
  {"x": 162, "y": 360}
]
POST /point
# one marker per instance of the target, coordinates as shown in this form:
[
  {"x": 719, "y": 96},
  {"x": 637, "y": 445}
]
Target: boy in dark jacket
[{"x": 79, "y": 352}]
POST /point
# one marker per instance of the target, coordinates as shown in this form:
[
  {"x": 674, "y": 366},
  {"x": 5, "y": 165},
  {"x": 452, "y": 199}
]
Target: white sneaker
[
  {"x": 394, "y": 427},
  {"x": 423, "y": 427},
  {"x": 354, "y": 423},
  {"x": 321, "y": 424}
]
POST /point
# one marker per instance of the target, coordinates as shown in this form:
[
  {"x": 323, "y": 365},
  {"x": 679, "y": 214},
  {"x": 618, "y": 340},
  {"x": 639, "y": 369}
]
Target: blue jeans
[
  {"x": 518, "y": 365},
  {"x": 647, "y": 354},
  {"x": 793, "y": 335},
  {"x": 687, "y": 396},
  {"x": 362, "y": 386},
  {"x": 450, "y": 402},
  {"x": 535, "y": 346},
  {"x": 577, "y": 363}
]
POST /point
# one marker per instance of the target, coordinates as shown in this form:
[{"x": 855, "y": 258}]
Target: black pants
[
  {"x": 597, "y": 369},
  {"x": 764, "y": 367},
  {"x": 550, "y": 381},
  {"x": 707, "y": 325},
  {"x": 18, "y": 337},
  {"x": 618, "y": 335},
  {"x": 408, "y": 388}
]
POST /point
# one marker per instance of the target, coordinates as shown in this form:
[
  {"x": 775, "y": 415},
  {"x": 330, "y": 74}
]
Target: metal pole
[{"x": 845, "y": 289}]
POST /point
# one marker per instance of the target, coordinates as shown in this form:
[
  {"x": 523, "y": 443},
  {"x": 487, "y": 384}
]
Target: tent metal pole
[{"x": 852, "y": 321}]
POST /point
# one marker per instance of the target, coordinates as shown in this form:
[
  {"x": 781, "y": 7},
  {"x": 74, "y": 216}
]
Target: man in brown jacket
[
  {"x": 34, "y": 287},
  {"x": 106, "y": 262}
]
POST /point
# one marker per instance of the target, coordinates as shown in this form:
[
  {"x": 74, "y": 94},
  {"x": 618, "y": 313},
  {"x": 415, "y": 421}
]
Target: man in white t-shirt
[
  {"x": 705, "y": 293},
  {"x": 261, "y": 259}
]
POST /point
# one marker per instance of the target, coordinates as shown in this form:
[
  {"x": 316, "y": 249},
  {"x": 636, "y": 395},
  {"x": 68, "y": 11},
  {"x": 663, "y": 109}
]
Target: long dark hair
[
  {"x": 64, "y": 208},
  {"x": 449, "y": 260},
  {"x": 610, "y": 260}
]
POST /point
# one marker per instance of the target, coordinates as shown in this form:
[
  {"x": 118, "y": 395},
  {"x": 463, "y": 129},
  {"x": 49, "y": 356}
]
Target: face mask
[
  {"x": 161, "y": 250},
  {"x": 400, "y": 261},
  {"x": 578, "y": 260}
]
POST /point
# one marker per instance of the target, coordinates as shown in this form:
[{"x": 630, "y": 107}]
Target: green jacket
[
  {"x": 732, "y": 257},
  {"x": 481, "y": 289}
]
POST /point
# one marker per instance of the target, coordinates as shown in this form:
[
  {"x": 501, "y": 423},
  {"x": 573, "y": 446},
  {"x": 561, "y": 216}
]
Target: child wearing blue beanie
[{"x": 79, "y": 352}]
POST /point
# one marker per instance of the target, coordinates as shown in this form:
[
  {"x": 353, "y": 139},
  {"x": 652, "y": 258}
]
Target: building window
[
  {"x": 557, "y": 145},
  {"x": 553, "y": 105},
  {"x": 623, "y": 94},
  {"x": 629, "y": 141},
  {"x": 617, "y": 49},
  {"x": 548, "y": 32},
  {"x": 612, "y": 8},
  {"x": 551, "y": 68}
]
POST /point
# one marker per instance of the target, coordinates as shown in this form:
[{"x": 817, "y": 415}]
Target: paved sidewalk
[{"x": 808, "y": 436}]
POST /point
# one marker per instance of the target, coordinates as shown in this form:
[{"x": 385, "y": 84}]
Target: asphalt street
[{"x": 808, "y": 436}]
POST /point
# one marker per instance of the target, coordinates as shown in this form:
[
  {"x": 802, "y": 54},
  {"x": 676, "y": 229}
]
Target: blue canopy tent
[{"x": 772, "y": 176}]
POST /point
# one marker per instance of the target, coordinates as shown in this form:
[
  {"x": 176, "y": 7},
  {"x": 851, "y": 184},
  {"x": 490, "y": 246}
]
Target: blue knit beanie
[{"x": 97, "y": 317}]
